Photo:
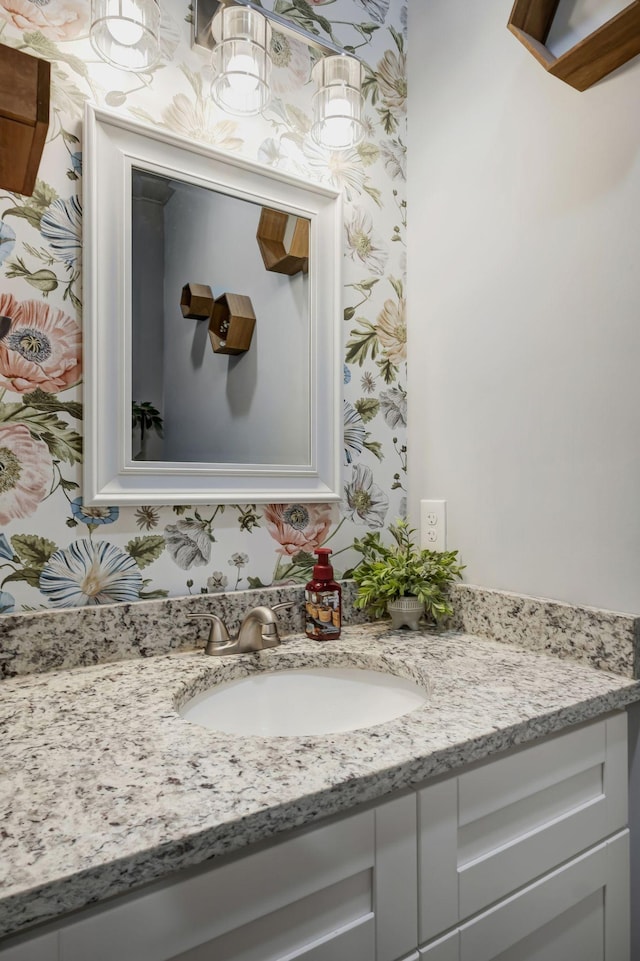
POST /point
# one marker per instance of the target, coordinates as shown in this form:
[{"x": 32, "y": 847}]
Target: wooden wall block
[
  {"x": 283, "y": 240},
  {"x": 232, "y": 323},
  {"x": 607, "y": 48},
  {"x": 24, "y": 118}
]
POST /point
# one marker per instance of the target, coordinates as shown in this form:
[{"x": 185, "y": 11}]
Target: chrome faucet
[{"x": 259, "y": 629}]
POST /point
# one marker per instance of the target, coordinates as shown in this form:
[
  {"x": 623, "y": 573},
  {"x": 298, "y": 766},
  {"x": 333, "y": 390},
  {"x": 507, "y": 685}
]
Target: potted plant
[
  {"x": 402, "y": 579},
  {"x": 145, "y": 417}
]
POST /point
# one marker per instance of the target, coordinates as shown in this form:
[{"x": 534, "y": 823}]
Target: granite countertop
[{"x": 104, "y": 787}]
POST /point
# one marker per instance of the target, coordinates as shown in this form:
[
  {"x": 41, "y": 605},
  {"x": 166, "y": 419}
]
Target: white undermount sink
[{"x": 304, "y": 701}]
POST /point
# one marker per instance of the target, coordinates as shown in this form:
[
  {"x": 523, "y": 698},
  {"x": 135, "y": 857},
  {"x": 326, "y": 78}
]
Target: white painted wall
[{"x": 524, "y": 309}]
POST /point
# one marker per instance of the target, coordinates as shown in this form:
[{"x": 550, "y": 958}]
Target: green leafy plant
[
  {"x": 147, "y": 417},
  {"x": 386, "y": 573}
]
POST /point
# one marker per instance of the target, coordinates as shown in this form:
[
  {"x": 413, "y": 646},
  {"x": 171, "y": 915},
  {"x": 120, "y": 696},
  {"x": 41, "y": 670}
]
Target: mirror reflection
[{"x": 220, "y": 327}]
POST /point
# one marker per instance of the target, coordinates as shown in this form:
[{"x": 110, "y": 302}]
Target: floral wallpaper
[{"x": 55, "y": 551}]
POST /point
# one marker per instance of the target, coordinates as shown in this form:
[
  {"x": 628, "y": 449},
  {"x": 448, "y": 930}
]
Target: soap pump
[{"x": 323, "y": 600}]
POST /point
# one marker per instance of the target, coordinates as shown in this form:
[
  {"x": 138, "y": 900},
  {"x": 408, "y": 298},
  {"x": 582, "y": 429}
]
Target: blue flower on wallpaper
[
  {"x": 61, "y": 227},
  {"x": 346, "y": 375},
  {"x": 376, "y": 9},
  {"x": 7, "y": 240},
  {"x": 7, "y": 602},
  {"x": 354, "y": 433},
  {"x": 93, "y": 515},
  {"x": 76, "y": 163},
  {"x": 5, "y": 548},
  {"x": 86, "y": 574}
]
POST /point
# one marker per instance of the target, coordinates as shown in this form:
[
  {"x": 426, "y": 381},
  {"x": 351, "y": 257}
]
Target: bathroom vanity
[{"x": 489, "y": 823}]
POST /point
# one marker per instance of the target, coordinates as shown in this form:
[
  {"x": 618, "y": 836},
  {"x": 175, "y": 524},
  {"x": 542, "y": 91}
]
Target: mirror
[{"x": 212, "y": 307}]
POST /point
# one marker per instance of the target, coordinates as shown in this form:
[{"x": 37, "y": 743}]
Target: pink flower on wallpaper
[
  {"x": 56, "y": 19},
  {"x": 41, "y": 347},
  {"x": 298, "y": 527},
  {"x": 26, "y": 472}
]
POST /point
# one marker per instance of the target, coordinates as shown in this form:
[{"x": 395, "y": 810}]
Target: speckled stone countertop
[{"x": 103, "y": 787}]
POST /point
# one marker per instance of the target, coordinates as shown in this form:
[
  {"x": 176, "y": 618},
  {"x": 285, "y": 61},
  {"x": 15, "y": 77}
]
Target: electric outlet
[{"x": 433, "y": 525}]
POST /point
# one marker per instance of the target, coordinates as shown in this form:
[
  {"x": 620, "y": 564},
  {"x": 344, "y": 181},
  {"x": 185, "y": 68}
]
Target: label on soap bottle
[{"x": 323, "y": 614}]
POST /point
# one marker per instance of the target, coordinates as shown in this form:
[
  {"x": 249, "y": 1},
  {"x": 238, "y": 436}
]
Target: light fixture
[
  {"x": 125, "y": 33},
  {"x": 240, "y": 33},
  {"x": 337, "y": 102},
  {"x": 241, "y": 60}
]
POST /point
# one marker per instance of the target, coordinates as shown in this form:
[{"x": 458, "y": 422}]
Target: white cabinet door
[
  {"x": 577, "y": 913},
  {"x": 42, "y": 948},
  {"x": 501, "y": 824},
  {"x": 395, "y": 878}
]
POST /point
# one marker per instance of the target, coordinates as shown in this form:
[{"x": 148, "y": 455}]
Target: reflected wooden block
[
  {"x": 24, "y": 118},
  {"x": 196, "y": 301},
  {"x": 231, "y": 325},
  {"x": 283, "y": 240}
]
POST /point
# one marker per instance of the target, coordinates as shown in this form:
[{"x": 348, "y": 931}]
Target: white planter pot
[{"x": 406, "y": 611}]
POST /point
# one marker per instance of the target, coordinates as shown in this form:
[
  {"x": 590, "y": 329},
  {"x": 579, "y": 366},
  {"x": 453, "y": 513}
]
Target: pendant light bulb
[
  {"x": 337, "y": 102},
  {"x": 241, "y": 61},
  {"x": 126, "y": 33}
]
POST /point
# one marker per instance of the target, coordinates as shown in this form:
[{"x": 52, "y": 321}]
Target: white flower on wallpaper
[
  {"x": 363, "y": 244},
  {"x": 51, "y": 551},
  {"x": 364, "y": 502}
]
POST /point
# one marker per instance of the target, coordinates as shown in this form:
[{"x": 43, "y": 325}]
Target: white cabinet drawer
[
  {"x": 331, "y": 865},
  {"x": 580, "y": 911},
  {"x": 498, "y": 826},
  {"x": 42, "y": 948}
]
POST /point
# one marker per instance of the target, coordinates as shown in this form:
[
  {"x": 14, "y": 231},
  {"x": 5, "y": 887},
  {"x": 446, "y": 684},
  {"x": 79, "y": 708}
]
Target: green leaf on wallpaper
[
  {"x": 156, "y": 595},
  {"x": 374, "y": 193},
  {"x": 398, "y": 286},
  {"x": 370, "y": 86},
  {"x": 42, "y": 401},
  {"x": 388, "y": 120},
  {"x": 366, "y": 29},
  {"x": 145, "y": 550},
  {"x": 367, "y": 407},
  {"x": 32, "y": 550},
  {"x": 32, "y": 211},
  {"x": 28, "y": 574},
  {"x": 398, "y": 38},
  {"x": 388, "y": 370},
  {"x": 43, "y": 280},
  {"x": 298, "y": 119},
  {"x": 364, "y": 342},
  {"x": 254, "y": 583},
  {"x": 368, "y": 152},
  {"x": 374, "y": 446},
  {"x": 63, "y": 442},
  {"x": 50, "y": 51}
]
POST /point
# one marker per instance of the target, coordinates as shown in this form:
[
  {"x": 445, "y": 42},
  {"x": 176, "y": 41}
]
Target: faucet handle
[
  {"x": 219, "y": 641},
  {"x": 282, "y": 606}
]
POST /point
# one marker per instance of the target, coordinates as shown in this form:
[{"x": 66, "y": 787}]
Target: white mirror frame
[{"x": 113, "y": 144}]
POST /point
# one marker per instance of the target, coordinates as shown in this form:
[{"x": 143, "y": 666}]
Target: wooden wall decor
[
  {"x": 24, "y": 118},
  {"x": 283, "y": 240},
  {"x": 196, "y": 301},
  {"x": 231, "y": 325},
  {"x": 604, "y": 50}
]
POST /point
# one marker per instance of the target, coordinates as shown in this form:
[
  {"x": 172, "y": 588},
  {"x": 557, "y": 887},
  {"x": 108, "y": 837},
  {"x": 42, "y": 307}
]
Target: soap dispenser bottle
[{"x": 323, "y": 601}]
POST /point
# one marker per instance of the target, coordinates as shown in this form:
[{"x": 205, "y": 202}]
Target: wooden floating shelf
[
  {"x": 283, "y": 240},
  {"x": 610, "y": 46},
  {"x": 24, "y": 118},
  {"x": 232, "y": 323},
  {"x": 196, "y": 301}
]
